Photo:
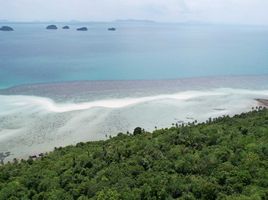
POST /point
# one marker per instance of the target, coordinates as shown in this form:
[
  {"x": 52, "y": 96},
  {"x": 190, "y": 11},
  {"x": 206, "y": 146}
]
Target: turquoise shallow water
[{"x": 32, "y": 54}]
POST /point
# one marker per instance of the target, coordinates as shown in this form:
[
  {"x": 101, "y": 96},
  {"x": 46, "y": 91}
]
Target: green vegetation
[{"x": 225, "y": 158}]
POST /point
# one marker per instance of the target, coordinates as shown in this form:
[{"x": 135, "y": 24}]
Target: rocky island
[
  {"x": 65, "y": 27},
  {"x": 82, "y": 29},
  {"x": 112, "y": 29},
  {"x": 52, "y": 27},
  {"x": 6, "y": 28}
]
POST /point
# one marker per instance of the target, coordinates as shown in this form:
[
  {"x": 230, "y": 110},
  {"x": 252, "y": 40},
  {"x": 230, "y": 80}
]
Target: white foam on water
[
  {"x": 20, "y": 102},
  {"x": 11, "y": 103}
]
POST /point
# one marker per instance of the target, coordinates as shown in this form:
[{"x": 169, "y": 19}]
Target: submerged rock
[
  {"x": 112, "y": 29},
  {"x": 66, "y": 27},
  {"x": 52, "y": 27},
  {"x": 6, "y": 28},
  {"x": 82, "y": 29}
]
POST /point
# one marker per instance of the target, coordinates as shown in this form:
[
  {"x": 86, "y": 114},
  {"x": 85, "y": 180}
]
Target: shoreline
[{"x": 35, "y": 155}]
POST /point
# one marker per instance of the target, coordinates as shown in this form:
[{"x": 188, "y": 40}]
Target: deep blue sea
[{"x": 32, "y": 54}]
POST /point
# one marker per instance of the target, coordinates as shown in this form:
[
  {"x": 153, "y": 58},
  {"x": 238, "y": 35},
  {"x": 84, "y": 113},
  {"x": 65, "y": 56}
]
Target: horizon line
[{"x": 4, "y": 21}]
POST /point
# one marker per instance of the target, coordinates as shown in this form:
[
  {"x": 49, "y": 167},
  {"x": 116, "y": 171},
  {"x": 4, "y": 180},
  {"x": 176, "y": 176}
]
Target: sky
[{"x": 208, "y": 11}]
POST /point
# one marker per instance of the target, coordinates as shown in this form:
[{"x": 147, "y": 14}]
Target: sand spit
[{"x": 263, "y": 102}]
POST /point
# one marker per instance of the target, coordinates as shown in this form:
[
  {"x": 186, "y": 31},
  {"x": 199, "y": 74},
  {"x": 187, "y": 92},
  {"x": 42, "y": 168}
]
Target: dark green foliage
[
  {"x": 225, "y": 158},
  {"x": 137, "y": 131}
]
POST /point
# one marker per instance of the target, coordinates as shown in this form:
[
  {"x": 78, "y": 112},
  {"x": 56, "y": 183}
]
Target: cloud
[{"x": 216, "y": 11}]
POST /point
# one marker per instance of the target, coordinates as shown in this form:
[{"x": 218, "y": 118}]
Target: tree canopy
[{"x": 224, "y": 158}]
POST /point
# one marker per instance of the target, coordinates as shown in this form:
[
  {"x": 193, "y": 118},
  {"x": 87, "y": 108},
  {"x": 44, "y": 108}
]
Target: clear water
[{"x": 32, "y": 54}]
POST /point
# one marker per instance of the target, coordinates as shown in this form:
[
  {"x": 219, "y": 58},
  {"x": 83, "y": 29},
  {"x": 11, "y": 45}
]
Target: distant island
[
  {"x": 65, "y": 27},
  {"x": 112, "y": 29},
  {"x": 52, "y": 27},
  {"x": 6, "y": 28},
  {"x": 82, "y": 29}
]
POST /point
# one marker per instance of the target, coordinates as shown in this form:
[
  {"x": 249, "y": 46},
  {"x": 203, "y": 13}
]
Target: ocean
[
  {"x": 136, "y": 51},
  {"x": 61, "y": 87}
]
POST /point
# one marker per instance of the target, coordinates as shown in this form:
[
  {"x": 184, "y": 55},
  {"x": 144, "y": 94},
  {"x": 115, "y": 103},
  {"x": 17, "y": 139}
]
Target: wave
[{"x": 15, "y": 102}]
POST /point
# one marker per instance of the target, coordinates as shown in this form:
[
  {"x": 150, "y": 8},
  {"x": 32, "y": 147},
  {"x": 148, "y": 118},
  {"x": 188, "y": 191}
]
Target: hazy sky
[{"x": 216, "y": 11}]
